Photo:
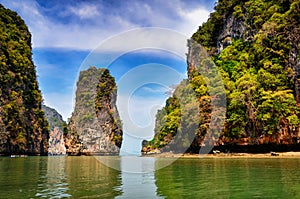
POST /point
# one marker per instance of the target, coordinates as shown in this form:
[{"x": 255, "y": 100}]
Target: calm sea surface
[{"x": 86, "y": 177}]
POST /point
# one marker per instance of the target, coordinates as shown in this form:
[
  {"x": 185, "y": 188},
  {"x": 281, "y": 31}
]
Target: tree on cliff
[{"x": 23, "y": 127}]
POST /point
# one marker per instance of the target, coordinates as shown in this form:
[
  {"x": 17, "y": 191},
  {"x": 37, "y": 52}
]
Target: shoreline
[{"x": 290, "y": 154}]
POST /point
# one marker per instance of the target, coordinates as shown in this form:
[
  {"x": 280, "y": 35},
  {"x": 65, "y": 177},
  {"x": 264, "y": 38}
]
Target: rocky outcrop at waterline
[
  {"x": 58, "y": 128},
  {"x": 95, "y": 126},
  {"x": 23, "y": 126}
]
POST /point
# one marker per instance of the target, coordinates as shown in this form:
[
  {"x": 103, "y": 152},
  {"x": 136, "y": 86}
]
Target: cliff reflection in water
[
  {"x": 140, "y": 177},
  {"x": 137, "y": 177},
  {"x": 87, "y": 177},
  {"x": 66, "y": 177},
  {"x": 230, "y": 178},
  {"x": 54, "y": 183}
]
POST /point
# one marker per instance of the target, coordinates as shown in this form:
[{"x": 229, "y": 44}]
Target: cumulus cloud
[{"x": 102, "y": 19}]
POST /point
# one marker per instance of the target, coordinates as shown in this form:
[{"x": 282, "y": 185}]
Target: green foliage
[
  {"x": 168, "y": 120},
  {"x": 105, "y": 88},
  {"x": 257, "y": 69},
  {"x": 20, "y": 98},
  {"x": 178, "y": 118},
  {"x": 275, "y": 106}
]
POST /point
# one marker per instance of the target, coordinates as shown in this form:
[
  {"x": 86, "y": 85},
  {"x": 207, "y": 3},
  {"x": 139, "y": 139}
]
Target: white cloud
[
  {"x": 105, "y": 22},
  {"x": 192, "y": 19},
  {"x": 47, "y": 33},
  {"x": 155, "y": 90},
  {"x": 85, "y": 11}
]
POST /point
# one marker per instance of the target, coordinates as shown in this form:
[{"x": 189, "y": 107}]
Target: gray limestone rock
[{"x": 95, "y": 127}]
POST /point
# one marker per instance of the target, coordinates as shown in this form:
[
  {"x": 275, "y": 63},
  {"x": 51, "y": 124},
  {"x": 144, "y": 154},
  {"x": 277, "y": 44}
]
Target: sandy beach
[{"x": 228, "y": 155}]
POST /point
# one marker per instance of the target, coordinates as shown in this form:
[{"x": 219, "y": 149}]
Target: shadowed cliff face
[
  {"x": 95, "y": 127},
  {"x": 23, "y": 127}
]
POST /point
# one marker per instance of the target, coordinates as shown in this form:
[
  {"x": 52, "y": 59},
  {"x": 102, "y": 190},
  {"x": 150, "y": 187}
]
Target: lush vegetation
[
  {"x": 23, "y": 127},
  {"x": 255, "y": 46},
  {"x": 105, "y": 100}
]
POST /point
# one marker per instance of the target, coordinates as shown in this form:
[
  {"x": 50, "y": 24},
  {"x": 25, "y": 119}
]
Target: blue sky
[{"x": 66, "y": 34}]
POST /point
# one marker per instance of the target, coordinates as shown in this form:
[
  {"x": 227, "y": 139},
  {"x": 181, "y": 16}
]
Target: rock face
[
  {"x": 233, "y": 28},
  {"x": 53, "y": 117},
  {"x": 58, "y": 128},
  {"x": 56, "y": 142},
  {"x": 23, "y": 127},
  {"x": 95, "y": 127}
]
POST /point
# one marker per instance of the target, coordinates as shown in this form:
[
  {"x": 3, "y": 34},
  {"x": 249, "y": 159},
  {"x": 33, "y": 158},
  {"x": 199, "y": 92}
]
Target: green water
[{"x": 85, "y": 177}]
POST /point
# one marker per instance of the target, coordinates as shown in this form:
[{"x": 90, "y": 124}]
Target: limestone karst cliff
[
  {"x": 255, "y": 46},
  {"x": 95, "y": 127},
  {"x": 23, "y": 127},
  {"x": 58, "y": 128}
]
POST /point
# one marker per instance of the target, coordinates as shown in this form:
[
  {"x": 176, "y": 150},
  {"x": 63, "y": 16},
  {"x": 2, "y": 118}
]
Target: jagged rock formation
[
  {"x": 23, "y": 127},
  {"x": 58, "y": 128},
  {"x": 95, "y": 127}
]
